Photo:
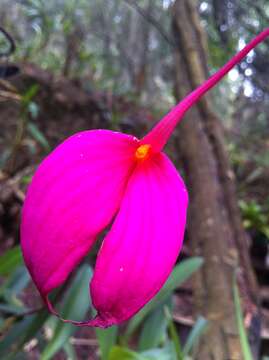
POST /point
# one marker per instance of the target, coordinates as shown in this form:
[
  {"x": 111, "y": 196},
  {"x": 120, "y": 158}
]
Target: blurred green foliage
[
  {"x": 21, "y": 325},
  {"x": 255, "y": 216}
]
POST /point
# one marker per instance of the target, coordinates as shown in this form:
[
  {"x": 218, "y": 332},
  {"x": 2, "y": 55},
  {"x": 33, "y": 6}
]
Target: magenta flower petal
[
  {"x": 78, "y": 189},
  {"x": 74, "y": 194},
  {"x": 139, "y": 252}
]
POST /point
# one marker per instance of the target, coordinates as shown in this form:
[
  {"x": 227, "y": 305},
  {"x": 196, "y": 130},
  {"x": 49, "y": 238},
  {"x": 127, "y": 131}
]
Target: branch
[
  {"x": 148, "y": 17},
  {"x": 12, "y": 46}
]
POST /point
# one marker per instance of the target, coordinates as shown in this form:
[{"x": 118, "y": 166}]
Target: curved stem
[{"x": 160, "y": 134}]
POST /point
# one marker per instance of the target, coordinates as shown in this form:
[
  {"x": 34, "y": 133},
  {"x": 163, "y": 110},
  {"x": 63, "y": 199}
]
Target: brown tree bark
[
  {"x": 141, "y": 72},
  {"x": 215, "y": 227},
  {"x": 72, "y": 45}
]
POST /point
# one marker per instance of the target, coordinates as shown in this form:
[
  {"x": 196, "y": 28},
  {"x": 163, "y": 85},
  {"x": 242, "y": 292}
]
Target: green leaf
[
  {"x": 75, "y": 306},
  {"x": 21, "y": 333},
  {"x": 29, "y": 94},
  {"x": 13, "y": 286},
  {"x": 12, "y": 309},
  {"x": 174, "y": 335},
  {"x": 107, "y": 339},
  {"x": 240, "y": 323},
  {"x": 154, "y": 328},
  {"x": 26, "y": 179},
  {"x": 17, "y": 281},
  {"x": 10, "y": 260},
  {"x": 12, "y": 337},
  {"x": 196, "y": 332},
  {"x": 180, "y": 274},
  {"x": 70, "y": 351},
  {"x": 38, "y": 136},
  {"x": 121, "y": 353},
  {"x": 165, "y": 353}
]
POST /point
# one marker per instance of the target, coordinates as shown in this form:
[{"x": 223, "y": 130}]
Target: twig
[
  {"x": 83, "y": 342},
  {"x": 7, "y": 85},
  {"x": 8, "y": 95},
  {"x": 9, "y": 38},
  {"x": 148, "y": 17}
]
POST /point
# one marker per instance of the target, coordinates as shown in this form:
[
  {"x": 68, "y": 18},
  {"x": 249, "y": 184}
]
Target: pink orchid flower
[{"x": 98, "y": 177}]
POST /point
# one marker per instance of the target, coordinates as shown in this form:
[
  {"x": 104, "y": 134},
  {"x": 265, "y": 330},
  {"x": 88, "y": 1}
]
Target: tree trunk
[
  {"x": 72, "y": 44},
  {"x": 215, "y": 227},
  {"x": 142, "y": 68}
]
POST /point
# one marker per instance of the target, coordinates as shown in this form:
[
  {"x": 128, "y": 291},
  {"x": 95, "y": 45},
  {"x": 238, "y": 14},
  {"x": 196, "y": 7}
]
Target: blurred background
[{"x": 67, "y": 66}]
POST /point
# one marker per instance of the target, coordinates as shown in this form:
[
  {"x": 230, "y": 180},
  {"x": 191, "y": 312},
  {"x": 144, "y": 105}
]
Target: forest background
[{"x": 67, "y": 66}]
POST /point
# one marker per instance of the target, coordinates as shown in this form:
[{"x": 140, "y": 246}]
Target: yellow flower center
[{"x": 142, "y": 152}]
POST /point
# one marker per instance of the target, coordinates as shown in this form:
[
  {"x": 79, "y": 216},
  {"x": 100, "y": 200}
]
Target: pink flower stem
[{"x": 160, "y": 134}]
